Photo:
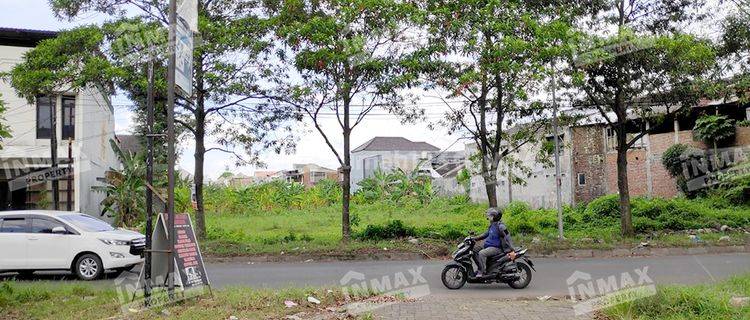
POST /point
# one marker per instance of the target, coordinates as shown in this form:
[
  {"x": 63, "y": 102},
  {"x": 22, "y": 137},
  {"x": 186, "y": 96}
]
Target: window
[
  {"x": 39, "y": 225},
  {"x": 68, "y": 117},
  {"x": 45, "y": 106},
  {"x": 87, "y": 223},
  {"x": 316, "y": 176},
  {"x": 13, "y": 225},
  {"x": 581, "y": 179},
  {"x": 550, "y": 143},
  {"x": 370, "y": 165},
  {"x": 612, "y": 140}
]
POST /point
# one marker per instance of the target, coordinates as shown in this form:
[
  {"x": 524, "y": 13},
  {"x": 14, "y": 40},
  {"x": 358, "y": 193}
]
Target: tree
[
  {"x": 493, "y": 56},
  {"x": 229, "y": 70},
  {"x": 347, "y": 54},
  {"x": 125, "y": 189},
  {"x": 634, "y": 66},
  {"x": 4, "y": 128}
]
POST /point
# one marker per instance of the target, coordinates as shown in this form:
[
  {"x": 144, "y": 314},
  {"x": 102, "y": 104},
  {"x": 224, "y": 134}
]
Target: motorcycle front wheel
[
  {"x": 524, "y": 276},
  {"x": 453, "y": 276}
]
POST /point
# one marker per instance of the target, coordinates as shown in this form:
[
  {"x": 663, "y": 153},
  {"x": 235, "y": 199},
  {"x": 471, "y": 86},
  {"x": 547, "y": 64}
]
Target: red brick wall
[
  {"x": 636, "y": 172},
  {"x": 587, "y": 155},
  {"x": 663, "y": 185}
]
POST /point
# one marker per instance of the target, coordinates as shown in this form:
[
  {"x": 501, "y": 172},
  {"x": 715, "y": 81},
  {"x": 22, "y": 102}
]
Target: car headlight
[{"x": 114, "y": 242}]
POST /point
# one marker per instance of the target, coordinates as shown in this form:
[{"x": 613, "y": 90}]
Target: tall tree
[
  {"x": 635, "y": 65},
  {"x": 348, "y": 58},
  {"x": 493, "y": 56},
  {"x": 229, "y": 72}
]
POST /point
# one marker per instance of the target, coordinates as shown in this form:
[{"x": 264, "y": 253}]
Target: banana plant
[{"x": 125, "y": 189}]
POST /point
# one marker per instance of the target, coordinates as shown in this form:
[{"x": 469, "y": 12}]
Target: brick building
[{"x": 589, "y": 160}]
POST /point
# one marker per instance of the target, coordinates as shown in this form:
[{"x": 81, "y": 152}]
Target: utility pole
[
  {"x": 149, "y": 178},
  {"x": 69, "y": 195},
  {"x": 170, "y": 141},
  {"x": 53, "y": 150},
  {"x": 558, "y": 181}
]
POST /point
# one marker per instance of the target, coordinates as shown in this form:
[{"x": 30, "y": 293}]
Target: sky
[{"x": 311, "y": 148}]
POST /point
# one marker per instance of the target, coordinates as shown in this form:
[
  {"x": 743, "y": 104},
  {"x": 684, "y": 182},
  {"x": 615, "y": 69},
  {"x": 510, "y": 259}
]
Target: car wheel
[{"x": 88, "y": 267}]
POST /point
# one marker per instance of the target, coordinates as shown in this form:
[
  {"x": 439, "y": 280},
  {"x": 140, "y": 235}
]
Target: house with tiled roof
[{"x": 387, "y": 153}]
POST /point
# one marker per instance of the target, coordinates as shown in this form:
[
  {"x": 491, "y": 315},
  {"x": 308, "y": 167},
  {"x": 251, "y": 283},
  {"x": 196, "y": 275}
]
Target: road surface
[{"x": 550, "y": 278}]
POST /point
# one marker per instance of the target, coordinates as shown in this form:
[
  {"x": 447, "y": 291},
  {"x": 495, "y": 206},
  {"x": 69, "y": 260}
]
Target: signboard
[
  {"x": 187, "y": 254},
  {"x": 184, "y": 58},
  {"x": 39, "y": 177},
  {"x": 188, "y": 11},
  {"x": 188, "y": 261}
]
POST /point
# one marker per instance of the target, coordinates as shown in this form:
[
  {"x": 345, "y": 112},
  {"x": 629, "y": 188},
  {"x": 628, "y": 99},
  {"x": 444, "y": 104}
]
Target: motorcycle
[{"x": 517, "y": 273}]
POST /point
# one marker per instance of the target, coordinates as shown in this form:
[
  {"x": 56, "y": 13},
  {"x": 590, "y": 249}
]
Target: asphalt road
[{"x": 550, "y": 278}]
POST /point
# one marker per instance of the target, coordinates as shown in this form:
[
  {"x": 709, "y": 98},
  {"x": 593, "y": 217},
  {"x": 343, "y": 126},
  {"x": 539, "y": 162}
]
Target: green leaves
[
  {"x": 69, "y": 62},
  {"x": 713, "y": 128}
]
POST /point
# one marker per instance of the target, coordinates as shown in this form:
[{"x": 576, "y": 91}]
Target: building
[
  {"x": 312, "y": 173},
  {"x": 388, "y": 153},
  {"x": 85, "y": 126},
  {"x": 588, "y": 160}
]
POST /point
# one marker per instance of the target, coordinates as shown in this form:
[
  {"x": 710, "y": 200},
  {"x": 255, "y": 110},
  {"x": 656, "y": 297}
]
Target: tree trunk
[
  {"x": 490, "y": 183},
  {"x": 200, "y": 150},
  {"x": 626, "y": 223},
  {"x": 200, "y": 153},
  {"x": 346, "y": 189}
]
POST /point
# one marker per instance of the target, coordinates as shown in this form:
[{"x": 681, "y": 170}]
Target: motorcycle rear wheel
[
  {"x": 524, "y": 272},
  {"x": 453, "y": 276}
]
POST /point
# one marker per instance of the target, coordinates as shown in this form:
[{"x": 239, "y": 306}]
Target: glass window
[
  {"x": 14, "y": 225},
  {"x": 581, "y": 179},
  {"x": 87, "y": 223},
  {"x": 68, "y": 117},
  {"x": 45, "y": 106},
  {"x": 39, "y": 225}
]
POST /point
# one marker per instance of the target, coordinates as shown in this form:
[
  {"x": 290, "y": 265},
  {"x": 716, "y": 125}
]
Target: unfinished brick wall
[
  {"x": 587, "y": 152},
  {"x": 637, "y": 183},
  {"x": 663, "y": 185}
]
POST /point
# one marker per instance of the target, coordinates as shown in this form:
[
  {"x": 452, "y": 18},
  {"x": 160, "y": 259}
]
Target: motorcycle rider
[{"x": 497, "y": 241}]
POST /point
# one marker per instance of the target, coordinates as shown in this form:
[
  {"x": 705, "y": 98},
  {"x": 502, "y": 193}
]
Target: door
[
  {"x": 47, "y": 250},
  {"x": 13, "y": 232}
]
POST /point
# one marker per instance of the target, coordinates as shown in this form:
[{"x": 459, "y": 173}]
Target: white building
[
  {"x": 83, "y": 118},
  {"x": 387, "y": 153}
]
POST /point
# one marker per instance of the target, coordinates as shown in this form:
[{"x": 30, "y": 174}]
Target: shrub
[
  {"x": 671, "y": 159},
  {"x": 392, "y": 230},
  {"x": 603, "y": 207}
]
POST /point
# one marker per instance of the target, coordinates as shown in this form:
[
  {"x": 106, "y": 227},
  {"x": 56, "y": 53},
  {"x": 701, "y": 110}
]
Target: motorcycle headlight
[{"x": 114, "y": 242}]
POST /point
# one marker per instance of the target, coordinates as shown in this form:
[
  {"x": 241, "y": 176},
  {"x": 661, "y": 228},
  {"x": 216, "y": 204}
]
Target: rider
[{"x": 497, "y": 242}]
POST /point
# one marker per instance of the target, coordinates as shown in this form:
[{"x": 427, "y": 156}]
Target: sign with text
[
  {"x": 184, "y": 58},
  {"x": 40, "y": 177},
  {"x": 187, "y": 254}
]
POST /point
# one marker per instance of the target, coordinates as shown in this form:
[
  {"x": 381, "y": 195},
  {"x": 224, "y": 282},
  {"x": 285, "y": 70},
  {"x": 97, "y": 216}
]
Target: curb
[{"x": 644, "y": 252}]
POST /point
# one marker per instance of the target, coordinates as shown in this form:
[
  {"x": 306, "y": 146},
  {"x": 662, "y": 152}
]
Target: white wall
[
  {"x": 94, "y": 127},
  {"x": 405, "y": 160}
]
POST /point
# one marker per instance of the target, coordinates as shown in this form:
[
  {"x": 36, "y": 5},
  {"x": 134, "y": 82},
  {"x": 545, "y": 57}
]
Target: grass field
[
  {"x": 710, "y": 301},
  {"x": 65, "y": 301},
  {"x": 437, "y": 225}
]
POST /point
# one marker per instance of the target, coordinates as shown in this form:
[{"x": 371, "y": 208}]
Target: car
[{"x": 36, "y": 240}]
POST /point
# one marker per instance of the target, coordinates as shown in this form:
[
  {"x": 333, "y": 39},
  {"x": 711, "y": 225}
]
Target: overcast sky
[{"x": 311, "y": 148}]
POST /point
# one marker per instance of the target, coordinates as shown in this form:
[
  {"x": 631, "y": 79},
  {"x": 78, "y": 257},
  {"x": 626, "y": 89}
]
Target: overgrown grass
[
  {"x": 55, "y": 300},
  {"x": 709, "y": 301}
]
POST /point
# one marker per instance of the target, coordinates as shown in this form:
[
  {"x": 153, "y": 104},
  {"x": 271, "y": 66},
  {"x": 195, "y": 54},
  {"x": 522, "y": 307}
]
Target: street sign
[
  {"x": 188, "y": 261},
  {"x": 184, "y": 58},
  {"x": 188, "y": 11}
]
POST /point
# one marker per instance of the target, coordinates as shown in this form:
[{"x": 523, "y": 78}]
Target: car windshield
[{"x": 87, "y": 223}]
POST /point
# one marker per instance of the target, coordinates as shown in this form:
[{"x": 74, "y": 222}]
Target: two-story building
[
  {"x": 84, "y": 127},
  {"x": 387, "y": 153}
]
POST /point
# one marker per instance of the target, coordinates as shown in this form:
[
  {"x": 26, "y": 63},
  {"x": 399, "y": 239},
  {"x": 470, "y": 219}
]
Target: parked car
[{"x": 35, "y": 240}]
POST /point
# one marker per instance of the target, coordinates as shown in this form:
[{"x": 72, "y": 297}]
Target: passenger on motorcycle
[{"x": 497, "y": 241}]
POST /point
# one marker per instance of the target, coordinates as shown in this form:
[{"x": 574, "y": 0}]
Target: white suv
[{"x": 34, "y": 240}]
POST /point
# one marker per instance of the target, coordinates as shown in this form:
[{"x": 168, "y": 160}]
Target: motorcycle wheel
[
  {"x": 524, "y": 273},
  {"x": 453, "y": 276}
]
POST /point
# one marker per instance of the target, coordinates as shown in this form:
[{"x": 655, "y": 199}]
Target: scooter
[{"x": 517, "y": 273}]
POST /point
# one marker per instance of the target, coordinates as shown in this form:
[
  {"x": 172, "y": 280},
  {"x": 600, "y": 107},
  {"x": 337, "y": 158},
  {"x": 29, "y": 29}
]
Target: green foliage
[
  {"x": 714, "y": 129},
  {"x": 392, "y": 230},
  {"x": 671, "y": 159},
  {"x": 125, "y": 189},
  {"x": 603, "y": 208},
  {"x": 396, "y": 186},
  {"x": 464, "y": 179},
  {"x": 4, "y": 128}
]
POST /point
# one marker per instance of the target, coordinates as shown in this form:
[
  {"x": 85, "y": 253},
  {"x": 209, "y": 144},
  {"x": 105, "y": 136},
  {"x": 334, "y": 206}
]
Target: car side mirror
[{"x": 59, "y": 230}]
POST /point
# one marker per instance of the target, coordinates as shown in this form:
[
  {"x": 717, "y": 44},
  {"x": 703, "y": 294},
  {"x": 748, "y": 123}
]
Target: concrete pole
[
  {"x": 558, "y": 181},
  {"x": 171, "y": 142}
]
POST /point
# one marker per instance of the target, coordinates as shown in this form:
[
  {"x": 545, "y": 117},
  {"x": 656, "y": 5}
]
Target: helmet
[{"x": 494, "y": 214}]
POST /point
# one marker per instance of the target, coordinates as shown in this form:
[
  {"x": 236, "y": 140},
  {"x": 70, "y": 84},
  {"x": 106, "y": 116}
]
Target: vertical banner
[
  {"x": 187, "y": 254},
  {"x": 184, "y": 58},
  {"x": 188, "y": 11}
]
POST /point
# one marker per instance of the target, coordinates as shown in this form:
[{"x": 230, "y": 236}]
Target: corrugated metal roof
[{"x": 24, "y": 37}]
